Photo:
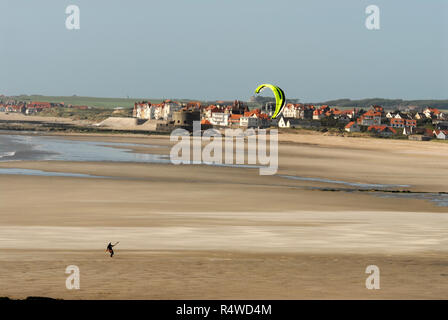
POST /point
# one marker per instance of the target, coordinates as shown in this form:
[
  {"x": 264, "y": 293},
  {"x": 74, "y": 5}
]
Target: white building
[
  {"x": 148, "y": 112},
  {"x": 291, "y": 111},
  {"x": 282, "y": 122},
  {"x": 370, "y": 118},
  {"x": 250, "y": 122},
  {"x": 318, "y": 114},
  {"x": 407, "y": 131},
  {"x": 220, "y": 119},
  {"x": 441, "y": 134},
  {"x": 433, "y": 113},
  {"x": 163, "y": 111},
  {"x": 352, "y": 127},
  {"x": 390, "y": 115},
  {"x": 169, "y": 108},
  {"x": 144, "y": 111},
  {"x": 288, "y": 123}
]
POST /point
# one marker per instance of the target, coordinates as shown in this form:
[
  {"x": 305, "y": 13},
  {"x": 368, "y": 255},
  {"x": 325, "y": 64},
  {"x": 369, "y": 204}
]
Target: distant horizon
[{"x": 217, "y": 99}]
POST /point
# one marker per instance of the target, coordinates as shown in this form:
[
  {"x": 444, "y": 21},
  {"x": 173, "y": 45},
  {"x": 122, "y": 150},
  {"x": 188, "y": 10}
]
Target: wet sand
[
  {"x": 202, "y": 274},
  {"x": 203, "y": 232}
]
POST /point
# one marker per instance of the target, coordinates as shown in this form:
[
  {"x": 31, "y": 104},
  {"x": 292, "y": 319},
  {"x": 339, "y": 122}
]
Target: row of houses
[
  {"x": 250, "y": 119},
  {"x": 24, "y": 107},
  {"x": 406, "y": 123},
  {"x": 162, "y": 111},
  {"x": 311, "y": 112},
  {"x": 33, "y": 107},
  {"x": 427, "y": 113},
  {"x": 221, "y": 114},
  {"x": 376, "y": 115},
  {"x": 385, "y": 130},
  {"x": 293, "y": 115}
]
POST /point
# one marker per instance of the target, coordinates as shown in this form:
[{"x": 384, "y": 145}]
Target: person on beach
[{"x": 110, "y": 249}]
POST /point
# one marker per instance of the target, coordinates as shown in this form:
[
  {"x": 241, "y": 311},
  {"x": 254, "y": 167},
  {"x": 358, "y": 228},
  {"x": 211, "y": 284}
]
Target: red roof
[
  {"x": 211, "y": 107},
  {"x": 396, "y": 121},
  {"x": 381, "y": 128},
  {"x": 434, "y": 110},
  {"x": 403, "y": 121},
  {"x": 372, "y": 114},
  {"x": 263, "y": 116},
  {"x": 251, "y": 113},
  {"x": 36, "y": 104},
  {"x": 378, "y": 108},
  {"x": 350, "y": 124}
]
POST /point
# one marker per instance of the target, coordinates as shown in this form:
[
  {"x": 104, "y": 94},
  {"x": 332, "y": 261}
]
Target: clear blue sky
[{"x": 209, "y": 49}]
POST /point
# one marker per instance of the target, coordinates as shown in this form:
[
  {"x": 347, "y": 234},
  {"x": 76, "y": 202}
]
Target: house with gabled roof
[
  {"x": 382, "y": 130},
  {"x": 407, "y": 131},
  {"x": 234, "y": 119},
  {"x": 352, "y": 127},
  {"x": 402, "y": 115},
  {"x": 419, "y": 116},
  {"x": 370, "y": 118},
  {"x": 441, "y": 134},
  {"x": 249, "y": 121},
  {"x": 318, "y": 114},
  {"x": 391, "y": 114},
  {"x": 403, "y": 123},
  {"x": 431, "y": 113},
  {"x": 284, "y": 122}
]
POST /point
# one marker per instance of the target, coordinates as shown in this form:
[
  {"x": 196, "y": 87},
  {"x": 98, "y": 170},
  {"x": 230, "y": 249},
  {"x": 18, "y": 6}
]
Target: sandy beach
[{"x": 208, "y": 232}]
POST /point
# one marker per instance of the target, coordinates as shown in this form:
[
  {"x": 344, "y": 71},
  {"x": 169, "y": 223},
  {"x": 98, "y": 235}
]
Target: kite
[{"x": 280, "y": 99}]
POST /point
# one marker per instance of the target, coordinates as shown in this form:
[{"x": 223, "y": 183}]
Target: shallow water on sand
[
  {"x": 41, "y": 148},
  {"x": 22, "y": 147},
  {"x": 44, "y": 148},
  {"x": 31, "y": 172},
  {"x": 351, "y": 184},
  {"x": 439, "y": 199}
]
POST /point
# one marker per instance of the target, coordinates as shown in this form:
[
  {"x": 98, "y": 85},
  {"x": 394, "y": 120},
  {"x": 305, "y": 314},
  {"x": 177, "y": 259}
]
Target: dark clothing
[{"x": 110, "y": 250}]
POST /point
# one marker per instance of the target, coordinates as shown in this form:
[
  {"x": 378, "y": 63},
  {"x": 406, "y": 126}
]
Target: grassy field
[
  {"x": 109, "y": 103},
  {"x": 95, "y": 114}
]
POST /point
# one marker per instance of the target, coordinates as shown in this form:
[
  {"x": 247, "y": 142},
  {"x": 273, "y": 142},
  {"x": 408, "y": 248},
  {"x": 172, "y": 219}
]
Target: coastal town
[{"x": 415, "y": 123}]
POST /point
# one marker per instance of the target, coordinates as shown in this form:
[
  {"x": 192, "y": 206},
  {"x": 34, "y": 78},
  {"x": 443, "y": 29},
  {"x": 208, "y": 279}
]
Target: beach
[{"x": 335, "y": 206}]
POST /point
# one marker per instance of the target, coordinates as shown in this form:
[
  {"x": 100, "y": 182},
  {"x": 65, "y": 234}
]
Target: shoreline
[{"x": 52, "y": 125}]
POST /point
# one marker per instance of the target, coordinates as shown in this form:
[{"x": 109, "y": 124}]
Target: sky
[{"x": 315, "y": 50}]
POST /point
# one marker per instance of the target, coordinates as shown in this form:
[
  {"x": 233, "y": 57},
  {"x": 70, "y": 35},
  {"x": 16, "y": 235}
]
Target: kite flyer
[{"x": 110, "y": 249}]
